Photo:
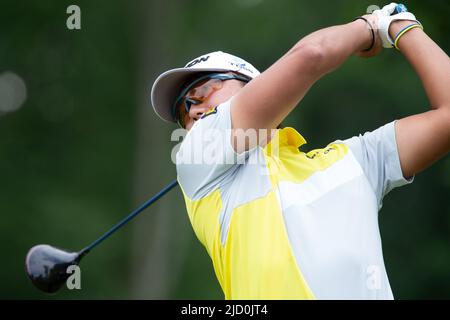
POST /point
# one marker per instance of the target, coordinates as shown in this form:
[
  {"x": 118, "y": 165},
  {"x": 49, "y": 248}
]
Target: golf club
[{"x": 46, "y": 266}]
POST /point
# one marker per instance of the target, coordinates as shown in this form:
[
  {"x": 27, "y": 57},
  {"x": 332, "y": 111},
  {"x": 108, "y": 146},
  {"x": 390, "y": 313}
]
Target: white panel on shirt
[
  {"x": 206, "y": 158},
  {"x": 377, "y": 154},
  {"x": 332, "y": 219},
  {"x": 334, "y": 234}
]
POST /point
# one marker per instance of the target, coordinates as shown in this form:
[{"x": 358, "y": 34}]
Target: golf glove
[{"x": 385, "y": 19}]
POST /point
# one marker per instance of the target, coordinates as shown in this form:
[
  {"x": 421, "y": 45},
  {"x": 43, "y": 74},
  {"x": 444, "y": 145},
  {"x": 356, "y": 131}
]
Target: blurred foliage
[{"x": 67, "y": 156}]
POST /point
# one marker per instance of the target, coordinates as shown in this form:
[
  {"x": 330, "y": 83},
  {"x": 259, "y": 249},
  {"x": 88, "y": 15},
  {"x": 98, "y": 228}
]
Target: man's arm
[
  {"x": 424, "y": 138},
  {"x": 270, "y": 97}
]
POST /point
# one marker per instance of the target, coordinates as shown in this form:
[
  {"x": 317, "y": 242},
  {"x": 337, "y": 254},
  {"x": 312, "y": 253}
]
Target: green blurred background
[{"x": 85, "y": 147}]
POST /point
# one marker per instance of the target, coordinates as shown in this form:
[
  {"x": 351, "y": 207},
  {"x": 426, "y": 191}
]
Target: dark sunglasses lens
[
  {"x": 189, "y": 102},
  {"x": 183, "y": 109}
]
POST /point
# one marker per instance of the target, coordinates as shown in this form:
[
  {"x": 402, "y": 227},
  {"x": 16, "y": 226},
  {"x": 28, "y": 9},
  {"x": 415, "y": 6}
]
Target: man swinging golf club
[{"x": 279, "y": 223}]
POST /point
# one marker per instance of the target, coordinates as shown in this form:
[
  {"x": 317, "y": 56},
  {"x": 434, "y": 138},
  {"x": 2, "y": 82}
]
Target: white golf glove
[{"x": 385, "y": 19}]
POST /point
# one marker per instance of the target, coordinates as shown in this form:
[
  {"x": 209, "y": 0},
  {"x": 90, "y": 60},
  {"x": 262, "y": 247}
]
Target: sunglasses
[{"x": 198, "y": 91}]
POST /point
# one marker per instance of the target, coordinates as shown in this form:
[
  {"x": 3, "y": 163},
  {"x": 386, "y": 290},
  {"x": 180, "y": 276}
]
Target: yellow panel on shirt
[{"x": 256, "y": 261}]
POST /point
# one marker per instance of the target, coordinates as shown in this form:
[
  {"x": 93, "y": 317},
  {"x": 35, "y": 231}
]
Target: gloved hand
[{"x": 384, "y": 20}]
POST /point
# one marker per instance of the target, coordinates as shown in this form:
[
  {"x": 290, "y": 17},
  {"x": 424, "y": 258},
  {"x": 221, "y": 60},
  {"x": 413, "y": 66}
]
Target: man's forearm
[
  {"x": 337, "y": 43},
  {"x": 430, "y": 62},
  {"x": 270, "y": 97}
]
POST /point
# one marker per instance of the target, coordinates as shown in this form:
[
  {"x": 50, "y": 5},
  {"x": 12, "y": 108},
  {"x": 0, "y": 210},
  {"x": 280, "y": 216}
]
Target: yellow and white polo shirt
[{"x": 285, "y": 224}]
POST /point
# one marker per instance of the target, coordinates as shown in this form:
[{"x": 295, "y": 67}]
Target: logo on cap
[
  {"x": 194, "y": 62},
  {"x": 241, "y": 66}
]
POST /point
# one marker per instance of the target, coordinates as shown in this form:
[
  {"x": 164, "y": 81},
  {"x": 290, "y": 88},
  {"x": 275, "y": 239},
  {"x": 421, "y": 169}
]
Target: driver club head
[{"x": 46, "y": 266}]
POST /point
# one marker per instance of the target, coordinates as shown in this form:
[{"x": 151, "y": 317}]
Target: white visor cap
[{"x": 167, "y": 86}]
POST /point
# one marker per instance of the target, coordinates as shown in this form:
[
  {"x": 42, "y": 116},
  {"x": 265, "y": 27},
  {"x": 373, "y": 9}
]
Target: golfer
[{"x": 279, "y": 222}]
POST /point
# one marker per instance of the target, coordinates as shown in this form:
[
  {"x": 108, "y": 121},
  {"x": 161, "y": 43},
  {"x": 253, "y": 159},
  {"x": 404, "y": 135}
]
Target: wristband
[
  {"x": 371, "y": 30},
  {"x": 405, "y": 30}
]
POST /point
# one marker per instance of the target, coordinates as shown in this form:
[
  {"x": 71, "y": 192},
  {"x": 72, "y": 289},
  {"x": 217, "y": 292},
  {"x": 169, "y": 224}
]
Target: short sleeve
[
  {"x": 206, "y": 159},
  {"x": 377, "y": 154}
]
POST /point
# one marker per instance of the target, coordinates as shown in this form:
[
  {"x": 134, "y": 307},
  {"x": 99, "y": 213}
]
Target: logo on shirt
[
  {"x": 209, "y": 112},
  {"x": 314, "y": 153}
]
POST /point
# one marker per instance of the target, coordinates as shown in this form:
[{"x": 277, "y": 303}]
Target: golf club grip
[
  {"x": 133, "y": 214},
  {"x": 399, "y": 8}
]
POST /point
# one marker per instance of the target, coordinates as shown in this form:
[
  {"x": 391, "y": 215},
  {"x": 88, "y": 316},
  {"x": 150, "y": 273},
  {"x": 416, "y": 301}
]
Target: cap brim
[{"x": 167, "y": 86}]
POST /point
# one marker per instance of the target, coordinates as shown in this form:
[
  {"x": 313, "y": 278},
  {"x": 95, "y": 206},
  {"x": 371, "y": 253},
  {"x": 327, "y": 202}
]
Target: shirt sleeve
[
  {"x": 206, "y": 159},
  {"x": 377, "y": 154}
]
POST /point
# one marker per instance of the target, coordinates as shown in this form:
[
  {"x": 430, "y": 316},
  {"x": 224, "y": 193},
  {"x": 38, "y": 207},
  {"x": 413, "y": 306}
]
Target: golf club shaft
[{"x": 129, "y": 217}]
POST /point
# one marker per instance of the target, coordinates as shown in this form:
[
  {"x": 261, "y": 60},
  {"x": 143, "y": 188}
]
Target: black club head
[{"x": 46, "y": 266}]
